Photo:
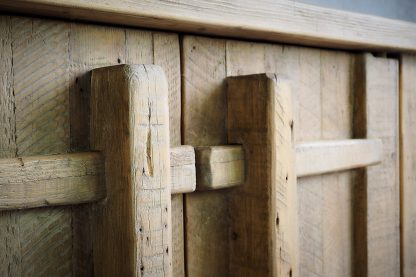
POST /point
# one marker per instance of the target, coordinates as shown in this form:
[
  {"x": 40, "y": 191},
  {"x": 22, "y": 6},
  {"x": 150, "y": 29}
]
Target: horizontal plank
[
  {"x": 76, "y": 178},
  {"x": 51, "y": 180},
  {"x": 182, "y": 169},
  {"x": 283, "y": 21},
  {"x": 219, "y": 167},
  {"x": 321, "y": 157}
]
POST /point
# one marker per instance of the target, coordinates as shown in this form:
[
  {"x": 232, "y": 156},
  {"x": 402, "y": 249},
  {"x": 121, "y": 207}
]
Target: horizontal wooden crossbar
[
  {"x": 75, "y": 178},
  {"x": 321, "y": 157},
  {"x": 219, "y": 166},
  {"x": 51, "y": 180},
  {"x": 78, "y": 178}
]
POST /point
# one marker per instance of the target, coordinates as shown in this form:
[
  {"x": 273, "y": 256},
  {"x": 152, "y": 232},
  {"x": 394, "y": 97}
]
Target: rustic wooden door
[{"x": 347, "y": 222}]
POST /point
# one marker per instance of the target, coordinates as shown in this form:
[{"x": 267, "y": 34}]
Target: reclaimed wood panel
[
  {"x": 41, "y": 89},
  {"x": 52, "y": 60},
  {"x": 408, "y": 164},
  {"x": 206, "y": 63}
]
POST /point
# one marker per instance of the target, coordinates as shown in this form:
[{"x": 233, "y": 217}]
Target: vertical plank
[
  {"x": 308, "y": 127},
  {"x": 9, "y": 229},
  {"x": 40, "y": 74},
  {"x": 167, "y": 55},
  {"x": 263, "y": 212},
  {"x": 134, "y": 224},
  {"x": 408, "y": 164},
  {"x": 91, "y": 47},
  {"x": 337, "y": 235},
  {"x": 377, "y": 117},
  {"x": 204, "y": 105}
]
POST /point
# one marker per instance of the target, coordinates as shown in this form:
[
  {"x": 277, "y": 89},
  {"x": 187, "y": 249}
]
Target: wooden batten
[
  {"x": 283, "y": 20},
  {"x": 263, "y": 211},
  {"x": 51, "y": 180},
  {"x": 130, "y": 125},
  {"x": 319, "y": 157}
]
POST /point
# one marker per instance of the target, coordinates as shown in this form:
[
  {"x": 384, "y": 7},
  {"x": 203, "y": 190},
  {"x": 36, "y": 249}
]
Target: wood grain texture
[
  {"x": 408, "y": 164},
  {"x": 336, "y": 93},
  {"x": 91, "y": 47},
  {"x": 204, "y": 106},
  {"x": 320, "y": 157},
  {"x": 166, "y": 53},
  {"x": 377, "y": 117},
  {"x": 137, "y": 170},
  {"x": 9, "y": 227},
  {"x": 263, "y": 212},
  {"x": 94, "y": 46},
  {"x": 182, "y": 169},
  {"x": 219, "y": 167},
  {"x": 40, "y": 85},
  {"x": 284, "y": 20},
  {"x": 37, "y": 181},
  {"x": 316, "y": 76}
]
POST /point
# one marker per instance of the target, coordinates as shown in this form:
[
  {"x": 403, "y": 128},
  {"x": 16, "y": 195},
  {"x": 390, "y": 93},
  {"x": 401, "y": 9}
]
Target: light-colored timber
[
  {"x": 377, "y": 221},
  {"x": 36, "y": 75},
  {"x": 263, "y": 211},
  {"x": 320, "y": 157},
  {"x": 283, "y": 20},
  {"x": 219, "y": 166},
  {"x": 203, "y": 123},
  {"x": 408, "y": 164},
  {"x": 51, "y": 180},
  {"x": 130, "y": 125},
  {"x": 182, "y": 169}
]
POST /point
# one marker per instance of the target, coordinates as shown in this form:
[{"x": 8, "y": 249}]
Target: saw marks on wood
[
  {"x": 50, "y": 80},
  {"x": 321, "y": 87},
  {"x": 38, "y": 241},
  {"x": 40, "y": 69}
]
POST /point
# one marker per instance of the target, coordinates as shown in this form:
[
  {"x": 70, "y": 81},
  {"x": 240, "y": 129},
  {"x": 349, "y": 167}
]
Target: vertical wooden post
[
  {"x": 130, "y": 125},
  {"x": 376, "y": 222},
  {"x": 263, "y": 211}
]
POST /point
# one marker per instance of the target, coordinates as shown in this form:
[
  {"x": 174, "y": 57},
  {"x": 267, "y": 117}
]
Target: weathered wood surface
[
  {"x": 283, "y": 20},
  {"x": 204, "y": 106},
  {"x": 94, "y": 46},
  {"x": 325, "y": 202},
  {"x": 51, "y": 180},
  {"x": 219, "y": 166},
  {"x": 263, "y": 212},
  {"x": 377, "y": 117},
  {"x": 182, "y": 169},
  {"x": 408, "y": 164},
  {"x": 134, "y": 224},
  {"x": 34, "y": 107},
  {"x": 315, "y": 158}
]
